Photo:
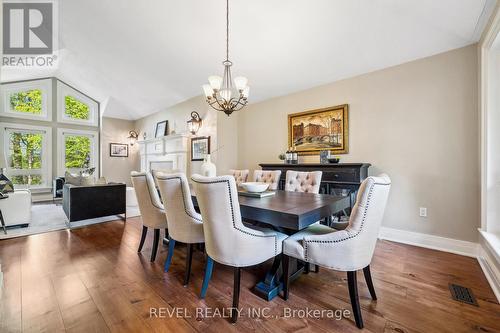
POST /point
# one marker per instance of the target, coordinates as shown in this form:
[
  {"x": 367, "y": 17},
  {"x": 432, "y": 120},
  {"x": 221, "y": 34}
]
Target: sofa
[
  {"x": 88, "y": 202},
  {"x": 16, "y": 209}
]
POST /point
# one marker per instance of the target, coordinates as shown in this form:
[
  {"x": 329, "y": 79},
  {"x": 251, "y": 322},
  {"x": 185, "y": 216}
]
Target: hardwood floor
[{"x": 93, "y": 280}]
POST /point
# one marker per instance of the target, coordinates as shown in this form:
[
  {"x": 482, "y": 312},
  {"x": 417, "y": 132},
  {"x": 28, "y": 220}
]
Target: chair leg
[
  {"x": 143, "y": 237},
  {"x": 286, "y": 276},
  {"x": 155, "y": 244},
  {"x": 166, "y": 233},
  {"x": 168, "y": 261},
  {"x": 307, "y": 268},
  {"x": 189, "y": 259},
  {"x": 316, "y": 269},
  {"x": 369, "y": 282},
  {"x": 353, "y": 294},
  {"x": 236, "y": 294},
  {"x": 208, "y": 274}
]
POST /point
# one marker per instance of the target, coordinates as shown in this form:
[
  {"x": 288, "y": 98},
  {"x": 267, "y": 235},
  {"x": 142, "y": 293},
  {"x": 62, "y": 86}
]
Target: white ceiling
[{"x": 138, "y": 57}]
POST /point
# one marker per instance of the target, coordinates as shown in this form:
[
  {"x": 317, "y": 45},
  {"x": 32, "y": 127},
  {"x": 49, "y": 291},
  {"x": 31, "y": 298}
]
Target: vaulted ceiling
[{"x": 138, "y": 57}]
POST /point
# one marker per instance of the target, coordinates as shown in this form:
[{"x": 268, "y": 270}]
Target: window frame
[
  {"x": 45, "y": 86},
  {"x": 64, "y": 90},
  {"x": 46, "y": 170},
  {"x": 61, "y": 148}
]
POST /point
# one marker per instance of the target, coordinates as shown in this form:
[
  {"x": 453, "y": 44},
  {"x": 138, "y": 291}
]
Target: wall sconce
[
  {"x": 194, "y": 123},
  {"x": 132, "y": 136}
]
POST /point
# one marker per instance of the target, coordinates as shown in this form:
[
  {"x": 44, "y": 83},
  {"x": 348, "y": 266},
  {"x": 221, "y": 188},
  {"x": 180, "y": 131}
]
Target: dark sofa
[{"x": 88, "y": 202}]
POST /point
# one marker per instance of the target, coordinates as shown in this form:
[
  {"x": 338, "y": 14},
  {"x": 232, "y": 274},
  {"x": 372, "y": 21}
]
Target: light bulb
[
  {"x": 208, "y": 90},
  {"x": 246, "y": 92},
  {"x": 225, "y": 94},
  {"x": 240, "y": 82},
  {"x": 215, "y": 82}
]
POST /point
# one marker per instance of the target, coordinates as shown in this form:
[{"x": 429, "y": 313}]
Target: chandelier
[{"x": 220, "y": 92}]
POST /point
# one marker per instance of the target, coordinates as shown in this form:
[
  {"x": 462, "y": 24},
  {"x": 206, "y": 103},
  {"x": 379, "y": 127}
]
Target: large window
[
  {"x": 29, "y": 100},
  {"x": 74, "y": 107},
  {"x": 28, "y": 154},
  {"x": 77, "y": 150}
]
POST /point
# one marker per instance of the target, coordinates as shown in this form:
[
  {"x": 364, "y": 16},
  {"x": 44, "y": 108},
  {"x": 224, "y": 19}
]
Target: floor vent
[{"x": 462, "y": 294}]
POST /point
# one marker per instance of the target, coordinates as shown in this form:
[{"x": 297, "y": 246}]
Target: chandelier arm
[
  {"x": 220, "y": 105},
  {"x": 215, "y": 102}
]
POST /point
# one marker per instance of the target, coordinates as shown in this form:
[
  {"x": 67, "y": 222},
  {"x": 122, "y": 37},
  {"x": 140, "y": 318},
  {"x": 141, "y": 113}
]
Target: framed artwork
[
  {"x": 118, "y": 150},
  {"x": 200, "y": 147},
  {"x": 324, "y": 129},
  {"x": 161, "y": 128}
]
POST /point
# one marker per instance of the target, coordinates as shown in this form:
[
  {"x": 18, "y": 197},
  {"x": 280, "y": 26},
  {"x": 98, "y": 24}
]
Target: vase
[{"x": 208, "y": 169}]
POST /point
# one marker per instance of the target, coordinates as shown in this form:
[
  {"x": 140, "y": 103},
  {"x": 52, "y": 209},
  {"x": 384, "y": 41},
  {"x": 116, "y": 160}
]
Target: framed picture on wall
[
  {"x": 200, "y": 147},
  {"x": 161, "y": 128},
  {"x": 118, "y": 150},
  {"x": 311, "y": 132}
]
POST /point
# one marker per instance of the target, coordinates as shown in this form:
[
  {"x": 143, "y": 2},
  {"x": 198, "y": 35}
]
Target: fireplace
[
  {"x": 161, "y": 165},
  {"x": 165, "y": 153}
]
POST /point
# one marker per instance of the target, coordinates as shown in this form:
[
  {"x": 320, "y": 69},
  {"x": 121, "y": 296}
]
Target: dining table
[{"x": 286, "y": 212}]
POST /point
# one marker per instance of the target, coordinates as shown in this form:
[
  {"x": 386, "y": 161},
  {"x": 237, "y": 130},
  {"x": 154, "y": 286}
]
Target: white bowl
[{"x": 255, "y": 187}]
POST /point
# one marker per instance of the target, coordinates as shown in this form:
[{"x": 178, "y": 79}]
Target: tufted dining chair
[
  {"x": 268, "y": 176},
  {"x": 240, "y": 176},
  {"x": 348, "y": 250},
  {"x": 302, "y": 181},
  {"x": 184, "y": 223},
  {"x": 227, "y": 240},
  {"x": 152, "y": 212}
]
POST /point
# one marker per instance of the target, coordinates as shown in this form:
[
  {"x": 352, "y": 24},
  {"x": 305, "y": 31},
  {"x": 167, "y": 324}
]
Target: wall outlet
[{"x": 423, "y": 212}]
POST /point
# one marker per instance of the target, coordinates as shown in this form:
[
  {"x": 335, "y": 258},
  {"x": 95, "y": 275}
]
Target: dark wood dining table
[{"x": 287, "y": 212}]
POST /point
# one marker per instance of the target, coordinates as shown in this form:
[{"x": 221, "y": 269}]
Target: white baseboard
[
  {"x": 490, "y": 271},
  {"x": 465, "y": 248},
  {"x": 489, "y": 259}
]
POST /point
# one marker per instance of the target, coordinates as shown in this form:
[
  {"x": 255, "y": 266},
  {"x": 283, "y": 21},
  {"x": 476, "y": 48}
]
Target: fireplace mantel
[{"x": 170, "y": 151}]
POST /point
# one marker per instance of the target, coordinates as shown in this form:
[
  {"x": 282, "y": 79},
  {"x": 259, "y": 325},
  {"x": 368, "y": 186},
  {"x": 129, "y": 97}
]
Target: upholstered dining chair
[
  {"x": 268, "y": 176},
  {"x": 348, "y": 250},
  {"x": 184, "y": 223},
  {"x": 151, "y": 208},
  {"x": 303, "y": 181},
  {"x": 227, "y": 240},
  {"x": 240, "y": 176}
]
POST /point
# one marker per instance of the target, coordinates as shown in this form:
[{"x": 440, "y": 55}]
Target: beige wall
[
  {"x": 418, "y": 122},
  {"x": 117, "y": 169}
]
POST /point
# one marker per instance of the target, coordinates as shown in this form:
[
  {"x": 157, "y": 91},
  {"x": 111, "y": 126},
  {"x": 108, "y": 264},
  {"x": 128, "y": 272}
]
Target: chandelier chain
[{"x": 227, "y": 30}]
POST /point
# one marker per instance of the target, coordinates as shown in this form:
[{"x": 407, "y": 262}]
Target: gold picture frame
[{"x": 323, "y": 129}]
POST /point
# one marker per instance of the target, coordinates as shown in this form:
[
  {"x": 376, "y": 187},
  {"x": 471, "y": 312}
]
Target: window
[
  {"x": 28, "y": 154},
  {"x": 75, "y": 108},
  {"x": 77, "y": 150},
  {"x": 29, "y": 100}
]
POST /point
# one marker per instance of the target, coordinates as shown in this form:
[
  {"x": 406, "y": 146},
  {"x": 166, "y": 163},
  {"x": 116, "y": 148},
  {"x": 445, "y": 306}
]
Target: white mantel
[{"x": 170, "y": 151}]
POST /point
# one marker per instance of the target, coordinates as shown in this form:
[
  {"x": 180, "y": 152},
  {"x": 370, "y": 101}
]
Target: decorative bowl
[
  {"x": 255, "y": 187},
  {"x": 333, "y": 160}
]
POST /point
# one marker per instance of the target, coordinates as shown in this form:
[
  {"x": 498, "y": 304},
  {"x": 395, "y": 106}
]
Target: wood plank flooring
[{"x": 93, "y": 280}]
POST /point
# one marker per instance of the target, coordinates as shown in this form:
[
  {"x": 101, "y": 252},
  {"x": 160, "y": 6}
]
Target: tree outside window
[
  {"x": 25, "y": 151},
  {"x": 77, "y": 151},
  {"x": 27, "y": 101},
  {"x": 76, "y": 109}
]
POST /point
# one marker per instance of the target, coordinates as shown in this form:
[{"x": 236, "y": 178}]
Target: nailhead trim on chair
[
  {"x": 352, "y": 236},
  {"x": 183, "y": 199},
  {"x": 232, "y": 214},
  {"x": 147, "y": 184}
]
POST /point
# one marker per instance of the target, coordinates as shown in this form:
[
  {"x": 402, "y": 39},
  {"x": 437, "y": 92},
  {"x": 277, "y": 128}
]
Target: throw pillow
[
  {"x": 87, "y": 180},
  {"x": 6, "y": 185},
  {"x": 72, "y": 179}
]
